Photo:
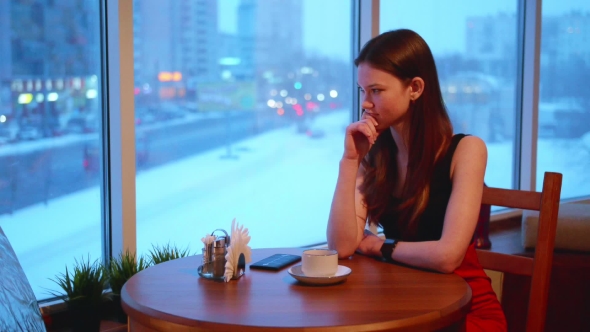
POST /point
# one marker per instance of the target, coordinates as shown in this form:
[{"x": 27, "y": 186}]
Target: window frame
[
  {"x": 119, "y": 199},
  {"x": 119, "y": 207},
  {"x": 529, "y": 58},
  {"x": 119, "y": 231},
  {"x": 118, "y": 188}
]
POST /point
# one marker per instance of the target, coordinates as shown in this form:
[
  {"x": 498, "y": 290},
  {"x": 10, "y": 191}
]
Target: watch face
[{"x": 389, "y": 241}]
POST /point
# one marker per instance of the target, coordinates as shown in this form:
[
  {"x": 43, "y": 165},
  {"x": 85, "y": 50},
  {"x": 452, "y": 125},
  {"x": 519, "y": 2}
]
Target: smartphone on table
[{"x": 275, "y": 262}]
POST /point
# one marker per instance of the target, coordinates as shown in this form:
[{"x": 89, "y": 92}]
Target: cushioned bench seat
[{"x": 573, "y": 227}]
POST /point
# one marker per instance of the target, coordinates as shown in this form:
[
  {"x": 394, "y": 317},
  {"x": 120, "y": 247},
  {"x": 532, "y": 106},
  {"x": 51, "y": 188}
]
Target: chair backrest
[
  {"x": 538, "y": 267},
  {"x": 19, "y": 310}
]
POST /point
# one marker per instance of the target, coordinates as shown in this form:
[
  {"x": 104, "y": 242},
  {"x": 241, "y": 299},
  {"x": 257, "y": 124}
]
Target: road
[{"x": 32, "y": 175}]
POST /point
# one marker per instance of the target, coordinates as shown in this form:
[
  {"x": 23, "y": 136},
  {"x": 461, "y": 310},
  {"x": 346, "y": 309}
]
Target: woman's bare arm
[
  {"x": 348, "y": 213},
  {"x": 446, "y": 254}
]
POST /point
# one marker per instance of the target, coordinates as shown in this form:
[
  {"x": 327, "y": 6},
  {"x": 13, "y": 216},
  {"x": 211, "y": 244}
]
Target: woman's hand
[
  {"x": 370, "y": 244},
  {"x": 360, "y": 136}
]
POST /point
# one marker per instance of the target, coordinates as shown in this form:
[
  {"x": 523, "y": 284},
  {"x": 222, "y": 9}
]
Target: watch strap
[{"x": 387, "y": 248}]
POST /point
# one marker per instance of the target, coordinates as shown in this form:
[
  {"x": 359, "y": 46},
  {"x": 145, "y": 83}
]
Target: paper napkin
[
  {"x": 208, "y": 239},
  {"x": 238, "y": 245}
]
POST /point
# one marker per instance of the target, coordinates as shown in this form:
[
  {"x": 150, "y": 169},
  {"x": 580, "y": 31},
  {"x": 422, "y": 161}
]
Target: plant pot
[
  {"x": 84, "y": 317},
  {"x": 118, "y": 311}
]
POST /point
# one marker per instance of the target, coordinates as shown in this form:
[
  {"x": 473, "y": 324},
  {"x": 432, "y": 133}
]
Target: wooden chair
[{"x": 538, "y": 267}]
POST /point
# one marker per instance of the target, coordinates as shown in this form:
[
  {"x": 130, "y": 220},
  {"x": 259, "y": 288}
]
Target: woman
[{"x": 403, "y": 169}]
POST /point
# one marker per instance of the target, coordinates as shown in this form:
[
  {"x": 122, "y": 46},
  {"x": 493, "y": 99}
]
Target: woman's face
[{"x": 384, "y": 96}]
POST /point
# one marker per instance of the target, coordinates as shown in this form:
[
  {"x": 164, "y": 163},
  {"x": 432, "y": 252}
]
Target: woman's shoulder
[
  {"x": 469, "y": 162},
  {"x": 470, "y": 148},
  {"x": 462, "y": 143},
  {"x": 466, "y": 141}
]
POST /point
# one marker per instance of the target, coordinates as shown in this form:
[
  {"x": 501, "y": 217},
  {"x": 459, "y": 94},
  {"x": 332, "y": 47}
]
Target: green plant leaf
[
  {"x": 123, "y": 267},
  {"x": 85, "y": 285},
  {"x": 167, "y": 252}
]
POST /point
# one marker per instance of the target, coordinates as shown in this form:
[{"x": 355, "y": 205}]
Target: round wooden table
[{"x": 171, "y": 296}]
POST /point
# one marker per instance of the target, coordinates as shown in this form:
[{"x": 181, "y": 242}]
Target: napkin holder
[{"x": 214, "y": 258}]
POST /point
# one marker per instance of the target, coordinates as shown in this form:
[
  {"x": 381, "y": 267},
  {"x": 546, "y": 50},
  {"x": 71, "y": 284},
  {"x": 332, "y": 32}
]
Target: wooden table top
[{"x": 171, "y": 296}]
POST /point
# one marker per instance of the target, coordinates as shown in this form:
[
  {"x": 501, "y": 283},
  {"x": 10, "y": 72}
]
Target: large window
[
  {"x": 240, "y": 111},
  {"x": 564, "y": 97},
  {"x": 50, "y": 120},
  {"x": 475, "y": 48}
]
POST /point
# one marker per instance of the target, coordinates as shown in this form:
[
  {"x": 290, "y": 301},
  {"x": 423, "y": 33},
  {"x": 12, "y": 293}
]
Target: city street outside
[{"x": 278, "y": 184}]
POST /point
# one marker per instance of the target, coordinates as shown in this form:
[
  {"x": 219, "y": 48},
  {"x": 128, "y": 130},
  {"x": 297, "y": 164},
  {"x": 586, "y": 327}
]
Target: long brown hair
[{"x": 404, "y": 54}]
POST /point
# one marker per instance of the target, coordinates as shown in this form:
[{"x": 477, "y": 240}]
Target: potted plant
[
  {"x": 121, "y": 269},
  {"x": 167, "y": 252},
  {"x": 83, "y": 293}
]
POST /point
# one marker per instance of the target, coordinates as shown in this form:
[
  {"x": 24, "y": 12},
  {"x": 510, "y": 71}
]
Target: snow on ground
[{"x": 279, "y": 185}]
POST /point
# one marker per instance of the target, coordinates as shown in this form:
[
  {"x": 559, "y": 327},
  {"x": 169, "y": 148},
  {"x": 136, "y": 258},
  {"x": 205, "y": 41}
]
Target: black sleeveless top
[{"x": 430, "y": 223}]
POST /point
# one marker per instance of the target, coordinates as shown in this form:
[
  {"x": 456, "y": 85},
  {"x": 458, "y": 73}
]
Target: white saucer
[{"x": 341, "y": 274}]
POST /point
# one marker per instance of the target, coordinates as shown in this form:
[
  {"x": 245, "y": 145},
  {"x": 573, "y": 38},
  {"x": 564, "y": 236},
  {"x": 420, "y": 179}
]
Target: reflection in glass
[
  {"x": 474, "y": 45},
  {"x": 240, "y": 112},
  {"x": 564, "y": 105},
  {"x": 50, "y": 151}
]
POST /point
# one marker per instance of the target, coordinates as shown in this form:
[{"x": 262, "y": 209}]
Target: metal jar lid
[{"x": 221, "y": 241}]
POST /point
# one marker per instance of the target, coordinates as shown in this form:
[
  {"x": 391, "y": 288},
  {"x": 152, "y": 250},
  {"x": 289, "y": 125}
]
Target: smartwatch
[{"x": 387, "y": 248}]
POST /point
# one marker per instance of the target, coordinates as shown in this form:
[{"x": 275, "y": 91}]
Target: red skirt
[{"x": 486, "y": 312}]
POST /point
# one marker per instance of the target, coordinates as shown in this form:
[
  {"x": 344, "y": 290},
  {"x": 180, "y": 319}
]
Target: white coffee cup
[{"x": 319, "y": 262}]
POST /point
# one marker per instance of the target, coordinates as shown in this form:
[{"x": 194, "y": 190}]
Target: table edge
[{"x": 433, "y": 320}]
